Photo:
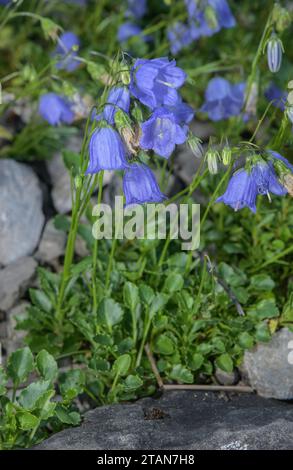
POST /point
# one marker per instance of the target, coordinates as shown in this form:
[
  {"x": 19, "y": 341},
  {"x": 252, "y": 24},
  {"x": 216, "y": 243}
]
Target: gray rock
[
  {"x": 14, "y": 280},
  {"x": 61, "y": 192},
  {"x": 15, "y": 337},
  {"x": 21, "y": 216},
  {"x": 182, "y": 420},
  {"x": 227, "y": 378},
  {"x": 52, "y": 243},
  {"x": 268, "y": 367}
]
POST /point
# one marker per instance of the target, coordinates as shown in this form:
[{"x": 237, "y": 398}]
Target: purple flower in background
[
  {"x": 66, "y": 43},
  {"x": 107, "y": 151},
  {"x": 55, "y": 109},
  {"x": 4, "y": 2},
  {"x": 140, "y": 185},
  {"x": 222, "y": 99},
  {"x": 209, "y": 17},
  {"x": 136, "y": 8},
  {"x": 127, "y": 31},
  {"x": 154, "y": 82},
  {"x": 277, "y": 96},
  {"x": 241, "y": 191},
  {"x": 161, "y": 133},
  {"x": 120, "y": 99},
  {"x": 179, "y": 37}
]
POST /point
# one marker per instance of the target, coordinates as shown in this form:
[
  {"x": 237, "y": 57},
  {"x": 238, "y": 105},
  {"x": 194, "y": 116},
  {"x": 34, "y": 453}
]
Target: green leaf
[
  {"x": 61, "y": 222},
  {"x": 110, "y": 312},
  {"x": 173, "y": 283},
  {"x": 146, "y": 294},
  {"x": 164, "y": 345},
  {"x": 266, "y": 308},
  {"x": 225, "y": 362},
  {"x": 20, "y": 365},
  {"x": 133, "y": 382},
  {"x": 122, "y": 364},
  {"x": 197, "y": 361},
  {"x": 262, "y": 282},
  {"x": 29, "y": 397},
  {"x": 181, "y": 374},
  {"x": 263, "y": 333},
  {"x": 40, "y": 299},
  {"x": 27, "y": 420},
  {"x": 66, "y": 416},
  {"x": 47, "y": 366},
  {"x": 71, "y": 161},
  {"x": 3, "y": 381},
  {"x": 130, "y": 295},
  {"x": 72, "y": 383},
  {"x": 158, "y": 303},
  {"x": 246, "y": 341}
]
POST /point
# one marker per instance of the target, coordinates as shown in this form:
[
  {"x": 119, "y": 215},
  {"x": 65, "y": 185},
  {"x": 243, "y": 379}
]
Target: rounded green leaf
[{"x": 225, "y": 362}]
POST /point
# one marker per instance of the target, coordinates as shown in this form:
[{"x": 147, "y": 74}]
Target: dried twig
[
  {"x": 211, "y": 388},
  {"x": 154, "y": 366}
]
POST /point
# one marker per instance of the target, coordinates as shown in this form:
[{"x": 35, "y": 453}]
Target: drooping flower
[
  {"x": 182, "y": 112},
  {"x": 55, "y": 109},
  {"x": 106, "y": 151},
  {"x": 161, "y": 132},
  {"x": 155, "y": 82},
  {"x": 66, "y": 48},
  {"x": 223, "y": 99},
  {"x": 209, "y": 17},
  {"x": 179, "y": 36},
  {"x": 278, "y": 156},
  {"x": 140, "y": 185},
  {"x": 266, "y": 179},
  {"x": 277, "y": 96},
  {"x": 241, "y": 191},
  {"x": 120, "y": 99},
  {"x": 136, "y": 8},
  {"x": 274, "y": 54},
  {"x": 127, "y": 31}
]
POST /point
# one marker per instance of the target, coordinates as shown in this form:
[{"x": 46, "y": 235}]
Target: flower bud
[
  {"x": 226, "y": 155},
  {"x": 122, "y": 119},
  {"x": 212, "y": 161},
  {"x": 274, "y": 53},
  {"x": 281, "y": 17},
  {"x": 211, "y": 17},
  {"x": 195, "y": 146},
  {"x": 125, "y": 77}
]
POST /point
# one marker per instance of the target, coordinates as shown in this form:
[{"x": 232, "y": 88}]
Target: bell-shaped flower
[
  {"x": 106, "y": 151},
  {"x": 241, "y": 191},
  {"x": 119, "y": 97},
  {"x": 277, "y": 156},
  {"x": 266, "y": 180},
  {"x": 68, "y": 43},
  {"x": 136, "y": 8},
  {"x": 155, "y": 82},
  {"x": 276, "y": 95},
  {"x": 55, "y": 109},
  {"x": 128, "y": 30},
  {"x": 223, "y": 99},
  {"x": 161, "y": 133},
  {"x": 140, "y": 185},
  {"x": 182, "y": 112},
  {"x": 208, "y": 18},
  {"x": 179, "y": 36}
]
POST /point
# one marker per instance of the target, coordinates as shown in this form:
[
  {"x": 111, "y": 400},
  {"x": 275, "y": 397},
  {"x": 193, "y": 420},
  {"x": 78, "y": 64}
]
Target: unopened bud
[
  {"x": 274, "y": 53},
  {"x": 212, "y": 161},
  {"x": 211, "y": 17},
  {"x": 226, "y": 155},
  {"x": 281, "y": 17},
  {"x": 125, "y": 77},
  {"x": 195, "y": 146}
]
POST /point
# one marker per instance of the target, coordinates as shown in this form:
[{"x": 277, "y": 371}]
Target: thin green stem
[
  {"x": 110, "y": 262},
  {"x": 95, "y": 249}
]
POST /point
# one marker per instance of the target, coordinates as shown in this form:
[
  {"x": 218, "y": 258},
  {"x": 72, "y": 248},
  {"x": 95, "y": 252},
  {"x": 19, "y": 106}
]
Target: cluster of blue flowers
[
  {"x": 259, "y": 177},
  {"x": 205, "y": 18},
  {"x": 131, "y": 27},
  {"x": 154, "y": 88}
]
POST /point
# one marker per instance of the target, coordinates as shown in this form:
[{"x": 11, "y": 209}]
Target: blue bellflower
[
  {"x": 66, "y": 43},
  {"x": 241, "y": 191},
  {"x": 161, "y": 132},
  {"x": 106, "y": 151},
  {"x": 277, "y": 156},
  {"x": 120, "y": 99},
  {"x": 266, "y": 180},
  {"x": 222, "y": 99},
  {"x": 140, "y": 185},
  {"x": 136, "y": 8},
  {"x": 183, "y": 113},
  {"x": 55, "y": 109},
  {"x": 199, "y": 18},
  {"x": 155, "y": 82},
  {"x": 128, "y": 30},
  {"x": 277, "y": 96},
  {"x": 179, "y": 36}
]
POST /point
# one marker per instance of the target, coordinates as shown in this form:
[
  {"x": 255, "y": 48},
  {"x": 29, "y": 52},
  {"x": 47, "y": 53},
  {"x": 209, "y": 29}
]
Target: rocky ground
[{"x": 183, "y": 420}]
